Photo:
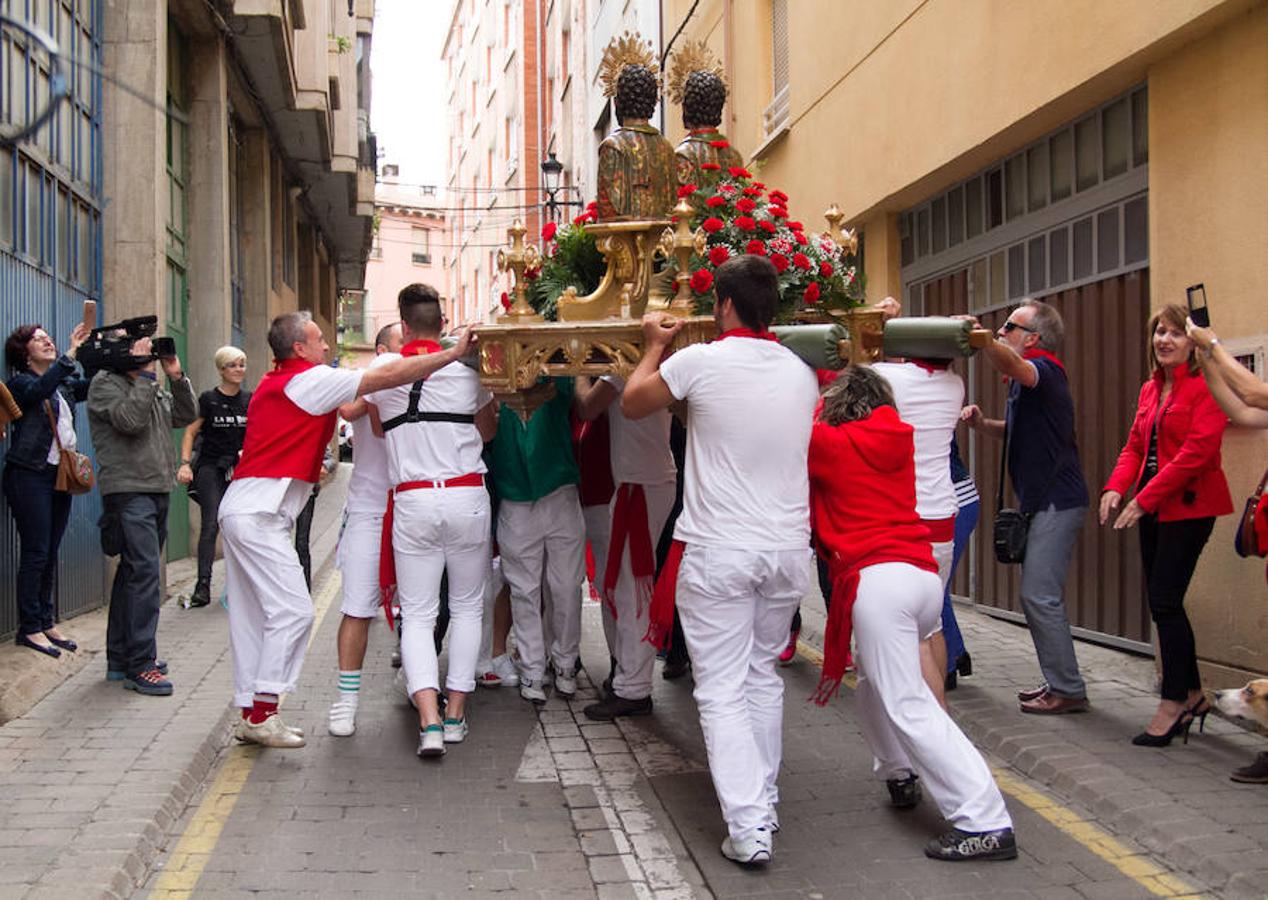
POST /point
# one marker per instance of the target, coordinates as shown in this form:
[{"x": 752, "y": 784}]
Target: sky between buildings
[{"x": 407, "y": 97}]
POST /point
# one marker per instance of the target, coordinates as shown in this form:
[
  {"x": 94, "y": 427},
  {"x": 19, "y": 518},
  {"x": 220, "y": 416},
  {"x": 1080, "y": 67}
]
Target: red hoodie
[{"x": 863, "y": 511}]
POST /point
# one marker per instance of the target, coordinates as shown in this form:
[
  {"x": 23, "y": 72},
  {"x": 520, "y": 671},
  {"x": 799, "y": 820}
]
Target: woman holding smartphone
[
  {"x": 46, "y": 387},
  {"x": 1172, "y": 461}
]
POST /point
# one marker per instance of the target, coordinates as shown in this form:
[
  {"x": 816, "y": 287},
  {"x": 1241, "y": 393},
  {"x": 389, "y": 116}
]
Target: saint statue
[
  {"x": 697, "y": 83},
  {"x": 636, "y": 163}
]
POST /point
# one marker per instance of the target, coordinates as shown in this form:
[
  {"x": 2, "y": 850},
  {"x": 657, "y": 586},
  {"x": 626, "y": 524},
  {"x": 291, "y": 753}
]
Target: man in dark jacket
[{"x": 131, "y": 419}]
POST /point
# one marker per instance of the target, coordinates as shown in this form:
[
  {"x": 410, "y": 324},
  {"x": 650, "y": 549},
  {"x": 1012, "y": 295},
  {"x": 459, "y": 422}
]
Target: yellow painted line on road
[
  {"x": 198, "y": 841},
  {"x": 1136, "y": 866}
]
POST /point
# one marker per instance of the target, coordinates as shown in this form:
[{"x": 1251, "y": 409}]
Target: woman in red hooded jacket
[
  {"x": 1172, "y": 459},
  {"x": 885, "y": 587}
]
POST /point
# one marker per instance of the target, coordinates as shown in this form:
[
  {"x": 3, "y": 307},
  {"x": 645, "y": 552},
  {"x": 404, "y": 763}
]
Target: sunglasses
[{"x": 1010, "y": 327}]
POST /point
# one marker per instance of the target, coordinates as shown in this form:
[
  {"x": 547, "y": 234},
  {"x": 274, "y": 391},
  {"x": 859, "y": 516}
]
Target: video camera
[{"x": 110, "y": 346}]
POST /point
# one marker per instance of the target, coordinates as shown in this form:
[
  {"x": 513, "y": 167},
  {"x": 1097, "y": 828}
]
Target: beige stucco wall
[
  {"x": 891, "y": 102},
  {"x": 1208, "y": 137}
]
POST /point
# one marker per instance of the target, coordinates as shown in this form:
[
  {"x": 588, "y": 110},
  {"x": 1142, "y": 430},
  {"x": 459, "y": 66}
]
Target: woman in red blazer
[{"x": 1172, "y": 459}]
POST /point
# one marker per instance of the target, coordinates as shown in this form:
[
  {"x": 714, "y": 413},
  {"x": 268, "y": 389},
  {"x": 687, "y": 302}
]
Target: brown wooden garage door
[{"x": 1104, "y": 354}]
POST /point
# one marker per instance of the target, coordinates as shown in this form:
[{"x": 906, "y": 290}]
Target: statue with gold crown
[
  {"x": 698, "y": 83},
  {"x": 636, "y": 163}
]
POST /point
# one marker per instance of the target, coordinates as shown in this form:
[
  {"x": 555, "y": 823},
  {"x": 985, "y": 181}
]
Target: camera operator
[{"x": 131, "y": 419}]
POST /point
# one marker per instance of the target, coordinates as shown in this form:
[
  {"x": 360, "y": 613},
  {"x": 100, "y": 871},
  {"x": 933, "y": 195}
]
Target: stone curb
[{"x": 1192, "y": 843}]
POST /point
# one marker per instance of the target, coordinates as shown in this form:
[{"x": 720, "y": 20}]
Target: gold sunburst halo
[
  {"x": 695, "y": 56},
  {"x": 626, "y": 50}
]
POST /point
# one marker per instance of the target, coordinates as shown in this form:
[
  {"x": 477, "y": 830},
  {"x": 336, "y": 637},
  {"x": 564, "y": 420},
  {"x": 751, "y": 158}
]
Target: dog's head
[{"x": 1250, "y": 702}]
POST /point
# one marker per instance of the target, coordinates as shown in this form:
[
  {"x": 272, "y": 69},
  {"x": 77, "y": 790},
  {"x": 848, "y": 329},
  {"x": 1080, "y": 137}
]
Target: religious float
[{"x": 664, "y": 218}]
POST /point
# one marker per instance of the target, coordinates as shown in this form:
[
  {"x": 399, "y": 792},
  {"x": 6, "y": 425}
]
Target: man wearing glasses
[{"x": 1043, "y": 464}]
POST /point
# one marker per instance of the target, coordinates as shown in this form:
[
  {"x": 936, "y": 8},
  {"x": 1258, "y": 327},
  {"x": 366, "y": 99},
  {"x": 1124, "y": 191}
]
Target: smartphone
[
  {"x": 90, "y": 314},
  {"x": 1197, "y": 305}
]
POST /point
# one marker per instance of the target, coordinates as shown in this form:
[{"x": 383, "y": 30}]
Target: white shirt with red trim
[
  {"x": 640, "y": 447},
  {"x": 433, "y": 451},
  {"x": 317, "y": 391},
  {"x": 930, "y": 402},
  {"x": 750, "y": 406}
]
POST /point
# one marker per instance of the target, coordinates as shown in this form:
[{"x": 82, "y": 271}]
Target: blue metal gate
[{"x": 50, "y": 251}]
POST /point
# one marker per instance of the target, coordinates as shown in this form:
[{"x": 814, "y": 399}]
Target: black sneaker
[
  {"x": 904, "y": 793},
  {"x": 959, "y": 846},
  {"x": 201, "y": 595},
  {"x": 612, "y": 707}
]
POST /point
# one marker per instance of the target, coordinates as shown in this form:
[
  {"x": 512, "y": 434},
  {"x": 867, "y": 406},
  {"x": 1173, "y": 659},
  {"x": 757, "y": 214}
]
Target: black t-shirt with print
[{"x": 224, "y": 426}]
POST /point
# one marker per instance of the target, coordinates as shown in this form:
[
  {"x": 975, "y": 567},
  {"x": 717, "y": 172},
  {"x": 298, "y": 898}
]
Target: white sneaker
[
  {"x": 754, "y": 850},
  {"x": 455, "y": 730},
  {"x": 565, "y": 684},
  {"x": 272, "y": 732},
  {"x": 343, "y": 717},
  {"x": 532, "y": 690},
  {"x": 504, "y": 667},
  {"x": 431, "y": 741}
]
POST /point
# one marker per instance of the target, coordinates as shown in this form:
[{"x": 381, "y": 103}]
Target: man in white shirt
[
  {"x": 290, "y": 422},
  {"x": 645, "y": 475},
  {"x": 358, "y": 553},
  {"x": 742, "y": 541},
  {"x": 440, "y": 517}
]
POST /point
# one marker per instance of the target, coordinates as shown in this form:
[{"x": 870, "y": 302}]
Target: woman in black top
[
  {"x": 44, "y": 385},
  {"x": 222, "y": 422}
]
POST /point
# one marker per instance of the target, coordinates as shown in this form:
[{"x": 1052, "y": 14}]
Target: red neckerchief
[
  {"x": 929, "y": 365},
  {"x": 629, "y": 523},
  {"x": 420, "y": 348},
  {"x": 1036, "y": 353},
  {"x": 293, "y": 363},
  {"x": 748, "y": 333}
]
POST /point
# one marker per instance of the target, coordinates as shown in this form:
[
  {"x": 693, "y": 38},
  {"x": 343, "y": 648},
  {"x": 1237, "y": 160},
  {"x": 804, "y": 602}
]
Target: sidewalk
[
  {"x": 106, "y": 791},
  {"x": 94, "y": 776}
]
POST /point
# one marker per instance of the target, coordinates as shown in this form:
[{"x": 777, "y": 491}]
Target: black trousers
[
  {"x": 1170, "y": 552},
  {"x": 137, "y": 593},
  {"x": 41, "y": 513},
  {"x": 303, "y": 530},
  {"x": 210, "y": 483}
]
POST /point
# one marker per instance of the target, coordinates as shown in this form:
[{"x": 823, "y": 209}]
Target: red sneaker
[{"x": 790, "y": 652}]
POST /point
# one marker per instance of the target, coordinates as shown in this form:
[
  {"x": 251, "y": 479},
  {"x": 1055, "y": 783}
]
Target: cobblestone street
[{"x": 111, "y": 794}]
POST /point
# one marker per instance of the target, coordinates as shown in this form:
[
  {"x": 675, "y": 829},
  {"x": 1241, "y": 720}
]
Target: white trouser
[
  {"x": 492, "y": 587},
  {"x": 598, "y": 519},
  {"x": 635, "y": 657},
  {"x": 270, "y": 609},
  {"x": 358, "y": 560},
  {"x": 434, "y": 530},
  {"x": 544, "y": 541},
  {"x": 735, "y": 606},
  {"x": 904, "y": 725}
]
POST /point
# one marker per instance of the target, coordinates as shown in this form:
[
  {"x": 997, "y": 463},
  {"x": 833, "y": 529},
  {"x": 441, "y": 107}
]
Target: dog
[{"x": 1249, "y": 702}]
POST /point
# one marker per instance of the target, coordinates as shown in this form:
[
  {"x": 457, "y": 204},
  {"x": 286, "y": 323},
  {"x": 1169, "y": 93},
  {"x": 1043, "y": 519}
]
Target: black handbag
[{"x": 1012, "y": 526}]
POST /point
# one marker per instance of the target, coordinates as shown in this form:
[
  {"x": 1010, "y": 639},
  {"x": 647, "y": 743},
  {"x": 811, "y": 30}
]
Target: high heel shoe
[
  {"x": 1182, "y": 724},
  {"x": 1199, "y": 711}
]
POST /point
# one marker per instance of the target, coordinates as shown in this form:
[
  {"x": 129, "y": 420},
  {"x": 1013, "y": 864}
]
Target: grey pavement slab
[{"x": 94, "y": 776}]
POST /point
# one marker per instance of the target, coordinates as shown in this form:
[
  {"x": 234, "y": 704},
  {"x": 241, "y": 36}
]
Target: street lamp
[{"x": 551, "y": 170}]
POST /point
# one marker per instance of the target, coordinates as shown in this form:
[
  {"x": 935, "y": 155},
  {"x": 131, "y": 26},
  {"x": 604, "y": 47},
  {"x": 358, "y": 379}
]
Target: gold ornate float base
[
  {"x": 626, "y": 290},
  {"x": 514, "y": 356}
]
